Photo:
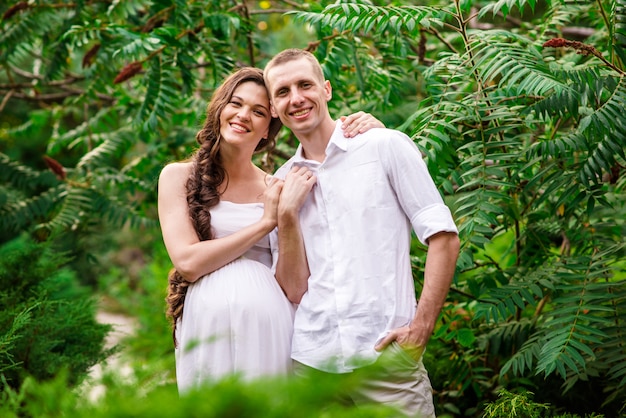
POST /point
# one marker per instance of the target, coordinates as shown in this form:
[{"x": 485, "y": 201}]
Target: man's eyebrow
[
  {"x": 278, "y": 87},
  {"x": 297, "y": 82}
]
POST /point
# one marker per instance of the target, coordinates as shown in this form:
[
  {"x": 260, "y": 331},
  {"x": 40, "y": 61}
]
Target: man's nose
[{"x": 296, "y": 97}]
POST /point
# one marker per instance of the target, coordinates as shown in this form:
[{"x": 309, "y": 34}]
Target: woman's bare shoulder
[
  {"x": 175, "y": 174},
  {"x": 177, "y": 168}
]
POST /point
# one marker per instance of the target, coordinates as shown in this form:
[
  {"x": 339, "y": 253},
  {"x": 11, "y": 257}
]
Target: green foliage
[
  {"x": 517, "y": 106},
  {"x": 47, "y": 323},
  {"x": 310, "y": 396},
  {"x": 515, "y": 405},
  {"x": 521, "y": 405},
  {"x": 314, "y": 395}
]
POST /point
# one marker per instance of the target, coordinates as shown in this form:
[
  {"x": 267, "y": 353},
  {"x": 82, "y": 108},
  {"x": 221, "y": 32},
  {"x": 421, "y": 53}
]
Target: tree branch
[{"x": 5, "y": 99}]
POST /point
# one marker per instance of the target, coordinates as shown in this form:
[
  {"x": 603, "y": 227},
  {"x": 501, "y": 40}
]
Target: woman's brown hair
[{"x": 207, "y": 174}]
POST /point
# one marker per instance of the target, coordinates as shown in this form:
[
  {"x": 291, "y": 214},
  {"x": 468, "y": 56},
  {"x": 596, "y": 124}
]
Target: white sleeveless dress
[{"x": 236, "y": 320}]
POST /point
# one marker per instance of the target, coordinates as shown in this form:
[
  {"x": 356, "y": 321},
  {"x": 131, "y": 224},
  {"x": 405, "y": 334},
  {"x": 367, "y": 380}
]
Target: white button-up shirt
[{"x": 356, "y": 224}]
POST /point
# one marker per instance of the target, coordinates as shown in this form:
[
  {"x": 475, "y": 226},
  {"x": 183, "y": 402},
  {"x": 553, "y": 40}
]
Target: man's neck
[{"x": 314, "y": 143}]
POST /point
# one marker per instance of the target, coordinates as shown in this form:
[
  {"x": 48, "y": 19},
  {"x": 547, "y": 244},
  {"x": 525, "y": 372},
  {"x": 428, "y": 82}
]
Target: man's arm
[
  {"x": 443, "y": 250},
  {"x": 292, "y": 269}
]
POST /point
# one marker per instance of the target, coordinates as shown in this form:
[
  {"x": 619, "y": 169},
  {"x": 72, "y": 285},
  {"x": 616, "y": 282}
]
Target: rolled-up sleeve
[
  {"x": 414, "y": 187},
  {"x": 431, "y": 220}
]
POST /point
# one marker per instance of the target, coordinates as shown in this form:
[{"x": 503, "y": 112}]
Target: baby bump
[{"x": 244, "y": 287}]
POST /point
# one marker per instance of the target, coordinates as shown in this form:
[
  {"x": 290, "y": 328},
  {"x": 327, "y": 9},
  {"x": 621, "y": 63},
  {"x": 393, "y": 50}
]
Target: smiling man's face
[{"x": 299, "y": 97}]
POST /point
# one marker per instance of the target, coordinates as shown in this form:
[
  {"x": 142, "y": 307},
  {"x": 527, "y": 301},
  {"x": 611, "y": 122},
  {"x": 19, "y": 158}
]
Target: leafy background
[{"x": 517, "y": 105}]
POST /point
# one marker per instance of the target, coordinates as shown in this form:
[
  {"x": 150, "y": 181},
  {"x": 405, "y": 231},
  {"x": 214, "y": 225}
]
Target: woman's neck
[{"x": 245, "y": 182}]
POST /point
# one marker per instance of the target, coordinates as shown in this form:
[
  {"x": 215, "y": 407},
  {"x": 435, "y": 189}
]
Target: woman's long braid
[
  {"x": 202, "y": 194},
  {"x": 176, "y": 291}
]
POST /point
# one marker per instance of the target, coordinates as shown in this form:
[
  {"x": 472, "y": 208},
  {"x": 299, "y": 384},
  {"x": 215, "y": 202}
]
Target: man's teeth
[{"x": 300, "y": 113}]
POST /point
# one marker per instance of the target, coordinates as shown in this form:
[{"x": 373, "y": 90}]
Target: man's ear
[
  {"x": 328, "y": 90},
  {"x": 273, "y": 111}
]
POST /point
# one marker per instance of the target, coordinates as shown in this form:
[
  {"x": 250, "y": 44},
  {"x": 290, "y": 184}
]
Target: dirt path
[{"x": 122, "y": 326}]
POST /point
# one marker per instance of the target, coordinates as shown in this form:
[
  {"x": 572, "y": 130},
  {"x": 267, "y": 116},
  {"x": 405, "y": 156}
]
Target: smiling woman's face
[{"x": 245, "y": 120}]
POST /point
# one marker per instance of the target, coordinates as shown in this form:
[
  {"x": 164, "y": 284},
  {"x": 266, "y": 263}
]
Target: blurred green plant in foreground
[
  {"x": 312, "y": 396},
  {"x": 47, "y": 321}
]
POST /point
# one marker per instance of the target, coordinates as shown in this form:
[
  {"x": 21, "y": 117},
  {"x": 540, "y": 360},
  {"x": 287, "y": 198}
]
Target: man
[{"x": 356, "y": 295}]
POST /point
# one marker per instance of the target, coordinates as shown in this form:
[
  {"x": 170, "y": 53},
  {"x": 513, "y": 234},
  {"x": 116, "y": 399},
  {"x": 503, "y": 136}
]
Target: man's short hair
[{"x": 293, "y": 54}]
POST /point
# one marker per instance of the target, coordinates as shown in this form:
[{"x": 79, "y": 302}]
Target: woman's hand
[
  {"x": 359, "y": 122},
  {"x": 271, "y": 197}
]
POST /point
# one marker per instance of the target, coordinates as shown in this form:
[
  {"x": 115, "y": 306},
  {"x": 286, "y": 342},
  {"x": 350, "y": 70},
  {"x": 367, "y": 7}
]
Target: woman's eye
[{"x": 259, "y": 113}]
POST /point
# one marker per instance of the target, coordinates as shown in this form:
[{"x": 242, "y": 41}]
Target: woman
[{"x": 216, "y": 211}]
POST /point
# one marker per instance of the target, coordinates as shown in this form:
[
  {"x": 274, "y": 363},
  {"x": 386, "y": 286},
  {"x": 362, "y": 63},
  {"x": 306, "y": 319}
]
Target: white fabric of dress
[{"x": 236, "y": 320}]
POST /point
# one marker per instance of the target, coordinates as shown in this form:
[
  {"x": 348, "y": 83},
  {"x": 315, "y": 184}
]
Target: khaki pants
[{"x": 395, "y": 379}]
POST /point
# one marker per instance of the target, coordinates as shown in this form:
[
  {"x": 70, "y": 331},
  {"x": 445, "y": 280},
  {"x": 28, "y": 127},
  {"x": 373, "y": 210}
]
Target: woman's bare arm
[{"x": 191, "y": 257}]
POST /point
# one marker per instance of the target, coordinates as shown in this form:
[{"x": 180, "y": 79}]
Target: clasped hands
[{"x": 286, "y": 197}]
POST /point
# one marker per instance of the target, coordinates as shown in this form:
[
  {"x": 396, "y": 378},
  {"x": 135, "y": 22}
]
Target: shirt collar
[{"x": 337, "y": 139}]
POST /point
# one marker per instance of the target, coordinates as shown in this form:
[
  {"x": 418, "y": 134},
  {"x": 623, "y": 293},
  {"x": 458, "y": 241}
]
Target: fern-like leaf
[
  {"x": 366, "y": 18},
  {"x": 22, "y": 177},
  {"x": 112, "y": 146},
  {"x": 506, "y": 6},
  {"x": 512, "y": 63},
  {"x": 619, "y": 30},
  {"x": 160, "y": 95},
  {"x": 26, "y": 212}
]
